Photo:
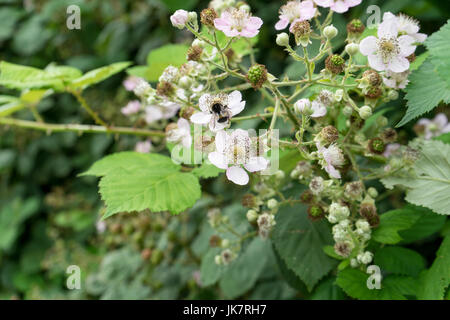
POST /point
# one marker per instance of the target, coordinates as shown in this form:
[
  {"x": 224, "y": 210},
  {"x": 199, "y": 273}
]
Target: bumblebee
[{"x": 221, "y": 112}]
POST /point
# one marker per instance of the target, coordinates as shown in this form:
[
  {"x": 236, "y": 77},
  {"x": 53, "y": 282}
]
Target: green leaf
[
  {"x": 136, "y": 182},
  {"x": 173, "y": 5},
  {"x": 329, "y": 250},
  {"x": 139, "y": 71},
  {"x": 19, "y": 77},
  {"x": 424, "y": 92},
  {"x": 328, "y": 290},
  {"x": 445, "y": 138},
  {"x": 9, "y": 17},
  {"x": 354, "y": 283},
  {"x": 400, "y": 261},
  {"x": 299, "y": 243},
  {"x": 207, "y": 171},
  {"x": 210, "y": 272},
  {"x": 391, "y": 223},
  {"x": 98, "y": 75},
  {"x": 431, "y": 185},
  {"x": 439, "y": 48},
  {"x": 436, "y": 280},
  {"x": 168, "y": 55},
  {"x": 242, "y": 274},
  {"x": 419, "y": 61}
]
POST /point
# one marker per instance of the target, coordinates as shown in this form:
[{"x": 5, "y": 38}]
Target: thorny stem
[{"x": 88, "y": 109}]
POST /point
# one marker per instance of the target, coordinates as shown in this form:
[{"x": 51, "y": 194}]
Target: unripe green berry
[
  {"x": 330, "y": 32},
  {"x": 257, "y": 76},
  {"x": 365, "y": 112},
  {"x": 283, "y": 39}
]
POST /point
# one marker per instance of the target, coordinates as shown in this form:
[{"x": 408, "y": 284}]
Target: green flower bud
[
  {"x": 372, "y": 192},
  {"x": 225, "y": 243},
  {"x": 272, "y": 204},
  {"x": 218, "y": 260},
  {"x": 185, "y": 82},
  {"x": 198, "y": 43},
  {"x": 352, "y": 49},
  {"x": 393, "y": 95},
  {"x": 330, "y": 32},
  {"x": 347, "y": 111},
  {"x": 283, "y": 39},
  {"x": 365, "y": 112},
  {"x": 252, "y": 216},
  {"x": 280, "y": 175}
]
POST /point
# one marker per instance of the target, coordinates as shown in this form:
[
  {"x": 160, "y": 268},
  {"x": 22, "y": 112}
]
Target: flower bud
[
  {"x": 225, "y": 243},
  {"x": 257, "y": 76},
  {"x": 365, "y": 258},
  {"x": 335, "y": 64},
  {"x": 252, "y": 216},
  {"x": 339, "y": 94},
  {"x": 179, "y": 19},
  {"x": 199, "y": 43},
  {"x": 218, "y": 260},
  {"x": 365, "y": 112},
  {"x": 280, "y": 175},
  {"x": 347, "y": 111},
  {"x": 272, "y": 204},
  {"x": 352, "y": 49},
  {"x": 372, "y": 192},
  {"x": 393, "y": 95},
  {"x": 283, "y": 39},
  {"x": 185, "y": 82},
  {"x": 330, "y": 32},
  {"x": 192, "y": 17},
  {"x": 303, "y": 107}
]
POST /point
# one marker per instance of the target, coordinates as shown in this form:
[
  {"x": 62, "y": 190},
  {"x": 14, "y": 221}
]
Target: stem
[
  {"x": 88, "y": 109},
  {"x": 49, "y": 128}
]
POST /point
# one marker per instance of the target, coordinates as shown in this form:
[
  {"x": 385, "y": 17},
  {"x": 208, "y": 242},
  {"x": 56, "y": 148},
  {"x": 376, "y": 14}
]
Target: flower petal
[
  {"x": 219, "y": 160},
  {"x": 388, "y": 29},
  {"x": 204, "y": 102},
  {"x": 201, "y": 118},
  {"x": 398, "y": 64},
  {"x": 282, "y": 24},
  {"x": 237, "y": 175},
  {"x": 339, "y": 6},
  {"x": 368, "y": 45},
  {"x": 221, "y": 141},
  {"x": 376, "y": 62},
  {"x": 406, "y": 45},
  {"x": 257, "y": 164}
]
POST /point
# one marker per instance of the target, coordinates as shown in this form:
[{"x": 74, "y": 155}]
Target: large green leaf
[
  {"x": 431, "y": 185},
  {"x": 439, "y": 48},
  {"x": 437, "y": 279},
  {"x": 98, "y": 75},
  {"x": 136, "y": 182},
  {"x": 425, "y": 91},
  {"x": 299, "y": 243},
  {"x": 407, "y": 225},
  {"x": 242, "y": 274},
  {"x": 354, "y": 283},
  {"x": 210, "y": 272},
  {"x": 400, "y": 261},
  {"x": 206, "y": 171},
  {"x": 168, "y": 55}
]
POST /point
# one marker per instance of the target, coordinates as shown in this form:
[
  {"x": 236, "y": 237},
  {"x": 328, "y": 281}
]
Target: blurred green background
[{"x": 49, "y": 217}]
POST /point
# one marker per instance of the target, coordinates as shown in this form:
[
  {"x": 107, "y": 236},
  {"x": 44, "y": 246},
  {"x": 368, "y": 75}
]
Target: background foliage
[{"x": 48, "y": 215}]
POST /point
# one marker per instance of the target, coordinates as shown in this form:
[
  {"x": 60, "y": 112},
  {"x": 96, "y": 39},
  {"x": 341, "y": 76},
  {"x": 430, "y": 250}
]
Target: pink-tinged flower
[
  {"x": 396, "y": 80},
  {"x": 235, "y": 152},
  {"x": 407, "y": 26},
  {"x": 179, "y": 19},
  {"x": 163, "y": 110},
  {"x": 434, "y": 128},
  {"x": 330, "y": 158},
  {"x": 132, "y": 107},
  {"x": 389, "y": 50},
  {"x": 314, "y": 109},
  {"x": 131, "y": 82},
  {"x": 391, "y": 149},
  {"x": 238, "y": 23},
  {"x": 181, "y": 134},
  {"x": 339, "y": 6},
  {"x": 143, "y": 146},
  {"x": 294, "y": 11},
  {"x": 217, "y": 110}
]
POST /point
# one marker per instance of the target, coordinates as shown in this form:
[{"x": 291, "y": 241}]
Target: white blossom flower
[
  {"x": 339, "y": 6},
  {"x": 182, "y": 133},
  {"x": 132, "y": 107},
  {"x": 143, "y": 146},
  {"x": 407, "y": 25},
  {"x": 330, "y": 158},
  {"x": 160, "y": 111},
  {"x": 294, "y": 11},
  {"x": 433, "y": 128},
  {"x": 169, "y": 74},
  {"x": 221, "y": 5},
  {"x": 131, "y": 82},
  {"x": 217, "y": 110},
  {"x": 396, "y": 80},
  {"x": 390, "y": 50},
  {"x": 142, "y": 88},
  {"x": 238, "y": 23},
  {"x": 235, "y": 151},
  {"x": 316, "y": 109}
]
